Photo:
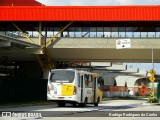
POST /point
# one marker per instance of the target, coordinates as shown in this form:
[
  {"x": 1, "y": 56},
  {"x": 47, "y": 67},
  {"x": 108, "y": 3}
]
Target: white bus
[{"x": 74, "y": 86}]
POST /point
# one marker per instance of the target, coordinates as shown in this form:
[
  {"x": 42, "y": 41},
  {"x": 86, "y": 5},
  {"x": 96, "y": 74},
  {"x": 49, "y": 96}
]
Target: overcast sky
[
  {"x": 145, "y": 66},
  {"x": 99, "y": 2}
]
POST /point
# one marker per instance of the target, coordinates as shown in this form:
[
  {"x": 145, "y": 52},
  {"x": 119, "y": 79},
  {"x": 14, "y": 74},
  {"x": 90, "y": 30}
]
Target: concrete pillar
[{"x": 45, "y": 73}]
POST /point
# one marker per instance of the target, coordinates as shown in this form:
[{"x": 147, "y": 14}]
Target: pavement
[{"x": 121, "y": 106}]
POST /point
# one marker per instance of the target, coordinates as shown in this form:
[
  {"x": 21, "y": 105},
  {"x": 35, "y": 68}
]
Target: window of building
[
  {"x": 56, "y": 30},
  {"x": 129, "y": 32},
  {"x": 158, "y": 32},
  {"x": 114, "y": 32},
  {"x": 78, "y": 31},
  {"x": 137, "y": 32},
  {"x": 85, "y": 31},
  {"x": 107, "y": 31},
  {"x": 122, "y": 32},
  {"x": 93, "y": 31},
  {"x": 100, "y": 32}
]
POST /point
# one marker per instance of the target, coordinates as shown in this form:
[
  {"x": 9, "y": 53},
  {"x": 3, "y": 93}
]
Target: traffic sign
[
  {"x": 152, "y": 71},
  {"x": 152, "y": 78},
  {"x": 151, "y": 95}
]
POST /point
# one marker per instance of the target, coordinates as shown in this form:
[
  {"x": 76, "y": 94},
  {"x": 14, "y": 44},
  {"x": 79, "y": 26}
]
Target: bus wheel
[
  {"x": 74, "y": 104},
  {"x": 61, "y": 104},
  {"x": 83, "y": 104},
  {"x": 96, "y": 104}
]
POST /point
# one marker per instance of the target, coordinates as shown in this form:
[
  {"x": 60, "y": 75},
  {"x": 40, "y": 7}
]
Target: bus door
[
  {"x": 82, "y": 80},
  {"x": 79, "y": 87},
  {"x": 94, "y": 88}
]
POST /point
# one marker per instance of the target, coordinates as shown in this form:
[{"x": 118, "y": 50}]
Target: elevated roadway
[
  {"x": 83, "y": 49},
  {"x": 15, "y": 49},
  {"x": 104, "y": 49}
]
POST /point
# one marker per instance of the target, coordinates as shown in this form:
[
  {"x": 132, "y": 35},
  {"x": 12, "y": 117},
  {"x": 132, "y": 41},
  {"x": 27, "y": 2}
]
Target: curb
[
  {"x": 151, "y": 104},
  {"x": 25, "y": 104}
]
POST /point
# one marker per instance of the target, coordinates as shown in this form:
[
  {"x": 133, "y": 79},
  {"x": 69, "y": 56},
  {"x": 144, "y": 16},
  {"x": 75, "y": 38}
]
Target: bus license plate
[{"x": 61, "y": 97}]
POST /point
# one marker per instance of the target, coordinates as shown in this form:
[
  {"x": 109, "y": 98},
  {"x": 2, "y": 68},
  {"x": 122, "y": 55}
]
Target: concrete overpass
[
  {"x": 83, "y": 49},
  {"x": 103, "y": 49}
]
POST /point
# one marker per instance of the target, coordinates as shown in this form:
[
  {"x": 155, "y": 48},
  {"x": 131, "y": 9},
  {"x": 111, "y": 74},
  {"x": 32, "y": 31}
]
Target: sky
[
  {"x": 98, "y": 2},
  {"x": 145, "y": 66}
]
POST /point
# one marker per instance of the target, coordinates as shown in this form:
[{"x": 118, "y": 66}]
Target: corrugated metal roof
[
  {"x": 19, "y": 3},
  {"x": 79, "y": 13}
]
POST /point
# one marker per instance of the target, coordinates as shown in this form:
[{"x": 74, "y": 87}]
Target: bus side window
[
  {"x": 79, "y": 82},
  {"x": 100, "y": 83},
  {"x": 90, "y": 84},
  {"x": 99, "y": 86},
  {"x": 86, "y": 80}
]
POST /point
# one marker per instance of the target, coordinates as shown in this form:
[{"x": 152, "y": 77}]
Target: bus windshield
[{"x": 62, "y": 76}]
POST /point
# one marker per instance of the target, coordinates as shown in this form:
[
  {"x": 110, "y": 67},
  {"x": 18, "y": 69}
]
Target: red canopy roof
[
  {"x": 19, "y": 3},
  {"x": 79, "y": 13}
]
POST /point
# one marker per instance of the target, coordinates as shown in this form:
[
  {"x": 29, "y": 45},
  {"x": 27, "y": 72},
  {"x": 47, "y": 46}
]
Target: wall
[
  {"x": 31, "y": 69},
  {"x": 115, "y": 91},
  {"x": 21, "y": 89}
]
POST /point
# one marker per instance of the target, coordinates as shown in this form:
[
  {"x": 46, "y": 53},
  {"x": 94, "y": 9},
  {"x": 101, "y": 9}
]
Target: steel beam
[
  {"x": 22, "y": 32},
  {"x": 52, "y": 38}
]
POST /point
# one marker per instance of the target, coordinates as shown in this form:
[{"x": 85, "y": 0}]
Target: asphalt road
[{"x": 112, "y": 109}]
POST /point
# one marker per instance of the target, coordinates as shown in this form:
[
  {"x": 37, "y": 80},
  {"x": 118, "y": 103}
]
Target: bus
[{"x": 73, "y": 86}]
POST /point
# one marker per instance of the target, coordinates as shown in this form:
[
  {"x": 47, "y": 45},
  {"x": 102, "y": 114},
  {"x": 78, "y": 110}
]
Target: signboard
[
  {"x": 152, "y": 72},
  {"x": 151, "y": 95},
  {"x": 152, "y": 78},
  {"x": 123, "y": 43}
]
